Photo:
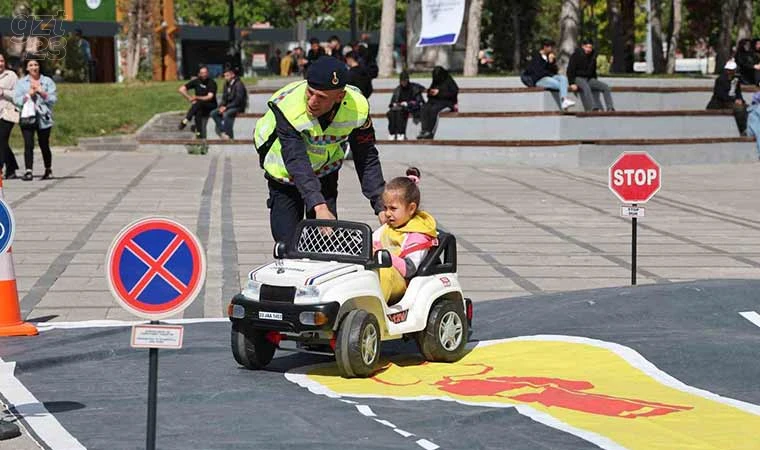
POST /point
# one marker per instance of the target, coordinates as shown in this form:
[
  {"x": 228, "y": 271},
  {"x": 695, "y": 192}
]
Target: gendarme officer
[{"x": 302, "y": 141}]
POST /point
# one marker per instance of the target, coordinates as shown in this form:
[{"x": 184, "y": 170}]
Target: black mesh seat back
[
  {"x": 331, "y": 240},
  {"x": 442, "y": 258}
]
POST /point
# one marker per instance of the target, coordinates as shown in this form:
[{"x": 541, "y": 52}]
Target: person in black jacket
[
  {"x": 727, "y": 94},
  {"x": 543, "y": 72},
  {"x": 407, "y": 99},
  {"x": 581, "y": 74},
  {"x": 442, "y": 94},
  {"x": 747, "y": 62},
  {"x": 315, "y": 52},
  {"x": 234, "y": 100},
  {"x": 358, "y": 75}
]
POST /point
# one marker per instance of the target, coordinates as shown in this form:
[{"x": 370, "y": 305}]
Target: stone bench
[
  {"x": 554, "y": 126},
  {"x": 537, "y": 99}
]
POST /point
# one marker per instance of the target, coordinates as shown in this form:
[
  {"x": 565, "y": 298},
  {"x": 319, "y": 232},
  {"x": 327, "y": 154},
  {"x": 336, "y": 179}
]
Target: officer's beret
[{"x": 327, "y": 73}]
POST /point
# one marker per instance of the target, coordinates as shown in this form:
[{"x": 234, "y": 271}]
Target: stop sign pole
[{"x": 634, "y": 178}]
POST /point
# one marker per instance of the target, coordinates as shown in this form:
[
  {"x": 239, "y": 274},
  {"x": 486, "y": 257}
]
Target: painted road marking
[
  {"x": 365, "y": 410},
  {"x": 406, "y": 434},
  {"x": 615, "y": 400},
  {"x": 42, "y": 425},
  {"x": 752, "y": 316},
  {"x": 48, "y": 326},
  {"x": 427, "y": 445},
  {"x": 385, "y": 422}
]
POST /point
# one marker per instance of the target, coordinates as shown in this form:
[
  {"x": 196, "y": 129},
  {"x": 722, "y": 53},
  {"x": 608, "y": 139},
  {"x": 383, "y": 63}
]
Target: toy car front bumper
[{"x": 281, "y": 316}]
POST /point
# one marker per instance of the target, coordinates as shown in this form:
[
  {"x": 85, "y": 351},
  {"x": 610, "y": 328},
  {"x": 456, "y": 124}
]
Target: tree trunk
[
  {"x": 569, "y": 26},
  {"x": 675, "y": 31},
  {"x": 727, "y": 15},
  {"x": 657, "y": 39},
  {"x": 473, "y": 38},
  {"x": 744, "y": 20},
  {"x": 387, "y": 33},
  {"x": 616, "y": 36},
  {"x": 627, "y": 22},
  {"x": 134, "y": 38},
  {"x": 517, "y": 52}
]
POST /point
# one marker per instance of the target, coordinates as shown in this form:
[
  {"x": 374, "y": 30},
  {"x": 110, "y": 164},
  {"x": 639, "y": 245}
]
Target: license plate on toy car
[{"x": 270, "y": 315}]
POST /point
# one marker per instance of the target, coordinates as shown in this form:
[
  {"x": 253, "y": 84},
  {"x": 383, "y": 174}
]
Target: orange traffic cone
[{"x": 11, "y": 323}]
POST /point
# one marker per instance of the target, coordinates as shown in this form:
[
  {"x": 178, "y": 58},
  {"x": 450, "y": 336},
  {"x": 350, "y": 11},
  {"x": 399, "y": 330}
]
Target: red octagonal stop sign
[{"x": 635, "y": 177}]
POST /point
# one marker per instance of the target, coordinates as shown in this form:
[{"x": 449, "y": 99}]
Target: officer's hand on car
[{"x": 323, "y": 213}]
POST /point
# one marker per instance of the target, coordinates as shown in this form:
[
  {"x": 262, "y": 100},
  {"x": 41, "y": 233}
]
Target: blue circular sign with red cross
[{"x": 155, "y": 268}]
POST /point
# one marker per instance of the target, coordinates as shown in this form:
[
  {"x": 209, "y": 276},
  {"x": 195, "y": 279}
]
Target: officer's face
[{"x": 320, "y": 102}]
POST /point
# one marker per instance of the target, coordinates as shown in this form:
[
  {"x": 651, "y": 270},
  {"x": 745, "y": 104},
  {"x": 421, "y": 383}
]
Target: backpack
[{"x": 526, "y": 79}]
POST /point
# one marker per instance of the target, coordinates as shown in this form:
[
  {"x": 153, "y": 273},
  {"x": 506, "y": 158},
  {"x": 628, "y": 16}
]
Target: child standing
[{"x": 408, "y": 234}]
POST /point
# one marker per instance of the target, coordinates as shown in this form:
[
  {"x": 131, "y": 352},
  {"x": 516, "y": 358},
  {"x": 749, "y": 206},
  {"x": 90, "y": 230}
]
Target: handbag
[
  {"x": 28, "y": 114},
  {"x": 10, "y": 115}
]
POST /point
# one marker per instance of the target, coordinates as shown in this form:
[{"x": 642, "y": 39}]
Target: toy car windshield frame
[{"x": 344, "y": 241}]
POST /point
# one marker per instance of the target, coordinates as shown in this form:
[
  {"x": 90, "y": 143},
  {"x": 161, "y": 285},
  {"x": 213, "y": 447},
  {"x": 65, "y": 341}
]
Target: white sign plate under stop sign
[
  {"x": 632, "y": 211},
  {"x": 157, "y": 336}
]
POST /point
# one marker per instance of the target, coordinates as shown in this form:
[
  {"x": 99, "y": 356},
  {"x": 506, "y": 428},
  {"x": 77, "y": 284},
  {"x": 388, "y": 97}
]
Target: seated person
[
  {"x": 407, "y": 99},
  {"x": 234, "y": 101},
  {"x": 408, "y": 234},
  {"x": 542, "y": 72},
  {"x": 727, "y": 94},
  {"x": 442, "y": 94},
  {"x": 747, "y": 62},
  {"x": 358, "y": 75},
  {"x": 581, "y": 74},
  {"x": 201, "y": 103}
]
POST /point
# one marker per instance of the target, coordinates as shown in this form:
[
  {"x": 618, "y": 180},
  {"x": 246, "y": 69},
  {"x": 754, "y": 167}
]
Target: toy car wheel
[
  {"x": 445, "y": 336},
  {"x": 357, "y": 347},
  {"x": 250, "y": 347}
]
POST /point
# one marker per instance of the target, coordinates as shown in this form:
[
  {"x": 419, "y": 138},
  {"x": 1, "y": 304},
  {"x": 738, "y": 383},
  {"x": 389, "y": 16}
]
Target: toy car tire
[
  {"x": 250, "y": 347},
  {"x": 357, "y": 346},
  {"x": 445, "y": 337}
]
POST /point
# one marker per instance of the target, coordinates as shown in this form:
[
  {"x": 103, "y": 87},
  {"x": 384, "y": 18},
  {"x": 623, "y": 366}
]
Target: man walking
[{"x": 302, "y": 141}]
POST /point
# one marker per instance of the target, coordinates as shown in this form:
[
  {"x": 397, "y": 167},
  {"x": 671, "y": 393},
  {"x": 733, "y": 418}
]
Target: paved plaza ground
[{"x": 520, "y": 231}]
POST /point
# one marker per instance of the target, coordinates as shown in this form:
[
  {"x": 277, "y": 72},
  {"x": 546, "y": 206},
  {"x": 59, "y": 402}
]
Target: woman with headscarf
[
  {"x": 442, "y": 94},
  {"x": 41, "y": 91},
  {"x": 8, "y": 117},
  {"x": 407, "y": 99},
  {"x": 748, "y": 62}
]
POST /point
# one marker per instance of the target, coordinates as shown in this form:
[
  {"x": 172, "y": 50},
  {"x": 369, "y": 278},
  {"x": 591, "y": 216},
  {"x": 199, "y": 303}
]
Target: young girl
[{"x": 408, "y": 234}]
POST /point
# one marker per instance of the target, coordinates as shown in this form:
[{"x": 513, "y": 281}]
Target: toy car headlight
[
  {"x": 307, "y": 293},
  {"x": 252, "y": 290}
]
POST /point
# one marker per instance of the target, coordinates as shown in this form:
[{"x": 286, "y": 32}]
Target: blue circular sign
[
  {"x": 155, "y": 267},
  {"x": 7, "y": 227}
]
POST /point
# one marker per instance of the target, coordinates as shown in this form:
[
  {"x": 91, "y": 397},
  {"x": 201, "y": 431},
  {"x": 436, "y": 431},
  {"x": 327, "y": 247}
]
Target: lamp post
[
  {"x": 232, "y": 51},
  {"x": 353, "y": 20}
]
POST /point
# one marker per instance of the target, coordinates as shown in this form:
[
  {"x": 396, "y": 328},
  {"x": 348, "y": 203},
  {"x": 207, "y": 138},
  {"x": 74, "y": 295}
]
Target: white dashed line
[
  {"x": 350, "y": 402},
  {"x": 385, "y": 422},
  {"x": 752, "y": 316},
  {"x": 402, "y": 432},
  {"x": 364, "y": 409},
  {"x": 427, "y": 445}
]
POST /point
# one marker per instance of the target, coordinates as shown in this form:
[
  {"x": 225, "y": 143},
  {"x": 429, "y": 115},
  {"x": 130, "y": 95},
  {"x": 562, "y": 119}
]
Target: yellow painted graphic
[{"x": 602, "y": 392}]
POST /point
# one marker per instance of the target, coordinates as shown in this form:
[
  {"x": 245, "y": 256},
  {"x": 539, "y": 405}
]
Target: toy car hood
[{"x": 292, "y": 272}]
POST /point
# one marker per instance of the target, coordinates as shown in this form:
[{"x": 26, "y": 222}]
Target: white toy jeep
[{"x": 321, "y": 295}]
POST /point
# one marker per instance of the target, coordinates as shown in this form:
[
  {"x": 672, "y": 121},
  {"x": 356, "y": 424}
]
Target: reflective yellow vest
[{"x": 326, "y": 148}]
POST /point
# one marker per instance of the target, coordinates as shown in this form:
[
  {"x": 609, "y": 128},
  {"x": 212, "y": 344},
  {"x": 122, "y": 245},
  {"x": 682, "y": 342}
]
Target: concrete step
[
  {"x": 537, "y": 154},
  {"x": 546, "y": 126},
  {"x": 536, "y": 99}
]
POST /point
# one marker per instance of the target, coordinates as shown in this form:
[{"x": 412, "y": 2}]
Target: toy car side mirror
[
  {"x": 280, "y": 250},
  {"x": 381, "y": 260}
]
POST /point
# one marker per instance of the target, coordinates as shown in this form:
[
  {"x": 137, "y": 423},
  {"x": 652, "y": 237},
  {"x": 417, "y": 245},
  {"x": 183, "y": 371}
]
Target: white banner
[{"x": 441, "y": 22}]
